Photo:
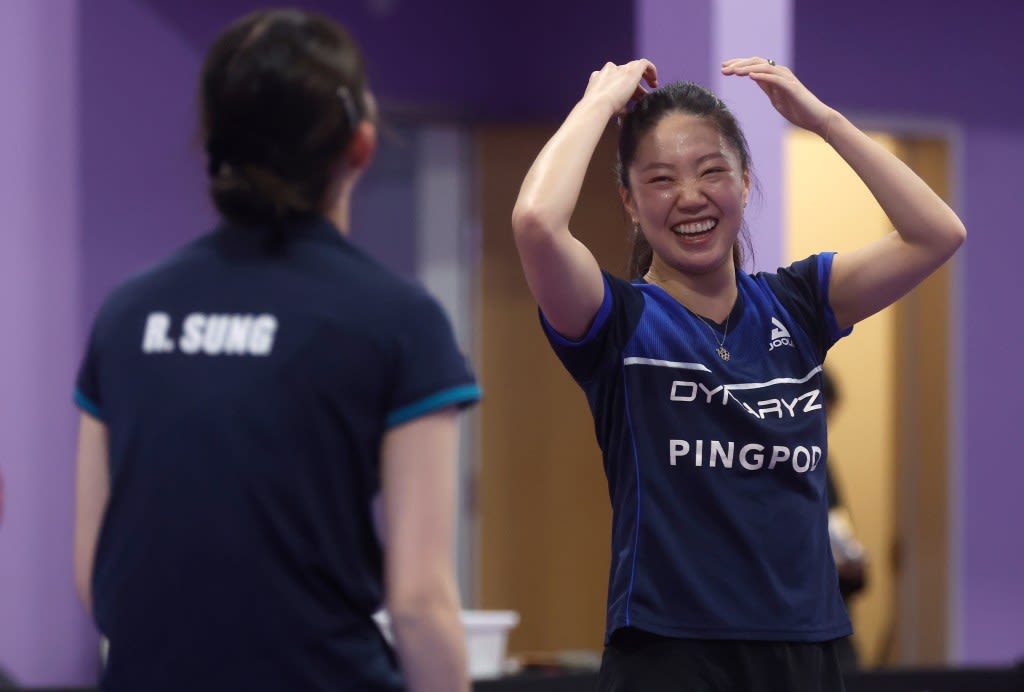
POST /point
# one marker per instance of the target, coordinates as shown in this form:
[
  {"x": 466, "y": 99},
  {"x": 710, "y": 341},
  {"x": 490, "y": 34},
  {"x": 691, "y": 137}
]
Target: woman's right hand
[
  {"x": 617, "y": 85},
  {"x": 562, "y": 273}
]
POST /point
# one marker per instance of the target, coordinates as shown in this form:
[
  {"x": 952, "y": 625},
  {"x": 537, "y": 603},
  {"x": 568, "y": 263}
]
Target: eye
[
  {"x": 711, "y": 171},
  {"x": 660, "y": 179}
]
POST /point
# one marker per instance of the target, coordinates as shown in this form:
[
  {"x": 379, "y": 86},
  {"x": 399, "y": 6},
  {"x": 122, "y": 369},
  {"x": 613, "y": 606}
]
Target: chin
[{"x": 704, "y": 263}]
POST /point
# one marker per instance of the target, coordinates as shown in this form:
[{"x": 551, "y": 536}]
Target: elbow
[
  {"x": 526, "y": 220},
  {"x": 960, "y": 235},
  {"x": 531, "y": 221},
  {"x": 955, "y": 237}
]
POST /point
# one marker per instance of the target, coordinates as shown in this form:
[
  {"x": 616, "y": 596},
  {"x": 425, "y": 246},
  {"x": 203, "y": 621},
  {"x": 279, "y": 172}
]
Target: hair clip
[{"x": 350, "y": 106}]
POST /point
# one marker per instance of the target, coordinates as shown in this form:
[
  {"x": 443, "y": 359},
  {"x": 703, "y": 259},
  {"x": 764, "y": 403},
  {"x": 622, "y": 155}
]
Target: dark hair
[
  {"x": 684, "y": 97},
  {"x": 281, "y": 94}
]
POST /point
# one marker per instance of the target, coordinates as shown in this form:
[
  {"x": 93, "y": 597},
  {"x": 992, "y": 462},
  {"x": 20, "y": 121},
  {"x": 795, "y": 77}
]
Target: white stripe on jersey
[
  {"x": 778, "y": 380},
  {"x": 635, "y": 360}
]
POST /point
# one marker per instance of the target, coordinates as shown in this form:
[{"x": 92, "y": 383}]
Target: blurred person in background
[
  {"x": 268, "y": 439},
  {"x": 847, "y": 550}
]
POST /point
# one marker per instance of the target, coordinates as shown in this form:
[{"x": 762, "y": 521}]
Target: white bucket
[{"x": 486, "y": 639}]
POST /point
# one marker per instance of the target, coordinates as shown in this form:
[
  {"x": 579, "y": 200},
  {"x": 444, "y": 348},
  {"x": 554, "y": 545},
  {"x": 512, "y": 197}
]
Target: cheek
[
  {"x": 655, "y": 200},
  {"x": 728, "y": 194}
]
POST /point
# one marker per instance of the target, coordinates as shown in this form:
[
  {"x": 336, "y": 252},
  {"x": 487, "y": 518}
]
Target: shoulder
[
  {"x": 141, "y": 287},
  {"x": 803, "y": 283},
  {"x": 378, "y": 288},
  {"x": 809, "y": 273},
  {"x": 627, "y": 294},
  {"x": 801, "y": 288}
]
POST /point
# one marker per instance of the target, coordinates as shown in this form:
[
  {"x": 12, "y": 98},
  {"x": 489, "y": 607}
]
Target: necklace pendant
[{"x": 722, "y": 353}]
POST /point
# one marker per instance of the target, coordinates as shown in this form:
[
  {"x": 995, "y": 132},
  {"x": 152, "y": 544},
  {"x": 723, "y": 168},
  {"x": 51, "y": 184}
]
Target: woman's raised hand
[
  {"x": 791, "y": 98},
  {"x": 617, "y": 85}
]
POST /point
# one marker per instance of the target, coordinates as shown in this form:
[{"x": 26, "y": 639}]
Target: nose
[{"x": 689, "y": 195}]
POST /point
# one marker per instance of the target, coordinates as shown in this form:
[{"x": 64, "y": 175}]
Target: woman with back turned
[
  {"x": 267, "y": 448},
  {"x": 705, "y": 381}
]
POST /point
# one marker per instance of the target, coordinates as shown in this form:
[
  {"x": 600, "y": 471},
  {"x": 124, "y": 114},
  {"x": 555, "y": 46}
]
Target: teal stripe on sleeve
[
  {"x": 83, "y": 402},
  {"x": 465, "y": 394}
]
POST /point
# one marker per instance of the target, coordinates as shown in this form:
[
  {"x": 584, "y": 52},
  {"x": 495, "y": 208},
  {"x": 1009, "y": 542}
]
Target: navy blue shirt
[
  {"x": 716, "y": 468},
  {"x": 246, "y": 385}
]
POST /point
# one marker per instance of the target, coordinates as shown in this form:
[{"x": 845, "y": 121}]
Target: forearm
[
  {"x": 430, "y": 643},
  {"x": 920, "y": 216},
  {"x": 552, "y": 186},
  {"x": 92, "y": 492}
]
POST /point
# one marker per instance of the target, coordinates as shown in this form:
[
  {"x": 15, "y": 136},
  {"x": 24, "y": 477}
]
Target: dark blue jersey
[
  {"x": 716, "y": 468},
  {"x": 247, "y": 384}
]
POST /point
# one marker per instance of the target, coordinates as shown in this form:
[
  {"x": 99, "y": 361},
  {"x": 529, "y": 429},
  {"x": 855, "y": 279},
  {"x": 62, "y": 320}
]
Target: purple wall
[
  {"x": 743, "y": 29},
  {"x": 39, "y": 305},
  {"x": 957, "y": 62},
  {"x": 101, "y": 177},
  {"x": 457, "y": 59},
  {"x": 915, "y": 57},
  {"x": 992, "y": 547},
  {"x": 140, "y": 167}
]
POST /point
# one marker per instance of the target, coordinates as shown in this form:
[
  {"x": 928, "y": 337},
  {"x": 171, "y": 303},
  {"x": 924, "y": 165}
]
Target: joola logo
[{"x": 780, "y": 336}]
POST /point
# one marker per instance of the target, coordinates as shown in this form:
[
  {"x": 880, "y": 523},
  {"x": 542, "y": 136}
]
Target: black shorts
[{"x": 637, "y": 661}]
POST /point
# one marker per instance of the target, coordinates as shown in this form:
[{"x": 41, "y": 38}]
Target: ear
[
  {"x": 627, "y": 201},
  {"x": 746, "y": 187},
  {"x": 362, "y": 147}
]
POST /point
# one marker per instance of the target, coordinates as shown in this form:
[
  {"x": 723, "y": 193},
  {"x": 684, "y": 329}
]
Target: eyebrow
[{"x": 700, "y": 159}]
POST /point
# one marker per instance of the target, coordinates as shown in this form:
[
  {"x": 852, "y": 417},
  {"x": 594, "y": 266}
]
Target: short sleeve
[
  {"x": 87, "y": 395},
  {"x": 431, "y": 372},
  {"x": 611, "y": 328},
  {"x": 803, "y": 288}
]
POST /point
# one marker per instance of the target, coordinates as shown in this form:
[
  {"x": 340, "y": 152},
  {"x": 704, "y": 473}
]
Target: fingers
[
  {"x": 650, "y": 72},
  {"x": 642, "y": 70},
  {"x": 743, "y": 66},
  {"x": 768, "y": 77},
  {"x": 621, "y": 84}
]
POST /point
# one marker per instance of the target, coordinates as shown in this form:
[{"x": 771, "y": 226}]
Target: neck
[
  {"x": 711, "y": 295},
  {"x": 339, "y": 216},
  {"x": 339, "y": 212}
]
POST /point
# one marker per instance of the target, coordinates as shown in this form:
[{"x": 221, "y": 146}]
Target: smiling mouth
[{"x": 695, "y": 228}]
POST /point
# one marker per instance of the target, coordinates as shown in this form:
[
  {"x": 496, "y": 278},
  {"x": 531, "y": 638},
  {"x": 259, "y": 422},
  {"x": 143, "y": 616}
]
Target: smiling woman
[
  {"x": 698, "y": 149},
  {"x": 703, "y": 379}
]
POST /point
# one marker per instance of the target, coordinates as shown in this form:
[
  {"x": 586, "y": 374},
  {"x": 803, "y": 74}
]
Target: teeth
[{"x": 696, "y": 227}]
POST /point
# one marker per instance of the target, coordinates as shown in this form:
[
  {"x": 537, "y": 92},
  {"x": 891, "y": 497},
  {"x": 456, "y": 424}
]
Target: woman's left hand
[{"x": 790, "y": 97}]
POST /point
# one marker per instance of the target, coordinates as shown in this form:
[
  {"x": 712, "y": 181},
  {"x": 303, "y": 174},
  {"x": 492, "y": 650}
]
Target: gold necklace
[{"x": 722, "y": 351}]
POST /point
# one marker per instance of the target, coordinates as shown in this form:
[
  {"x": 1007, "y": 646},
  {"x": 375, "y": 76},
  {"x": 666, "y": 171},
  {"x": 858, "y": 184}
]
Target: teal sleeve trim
[
  {"x": 83, "y": 402},
  {"x": 457, "y": 396}
]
